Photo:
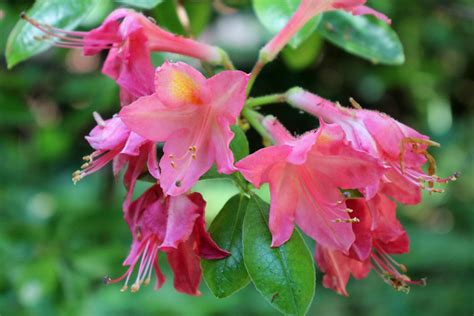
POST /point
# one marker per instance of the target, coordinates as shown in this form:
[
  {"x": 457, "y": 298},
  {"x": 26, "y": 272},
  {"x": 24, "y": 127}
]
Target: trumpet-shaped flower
[
  {"x": 113, "y": 141},
  {"x": 307, "y": 10},
  {"x": 192, "y": 115},
  {"x": 130, "y": 37},
  {"x": 305, "y": 176},
  {"x": 378, "y": 235},
  {"x": 402, "y": 149},
  {"x": 174, "y": 225}
]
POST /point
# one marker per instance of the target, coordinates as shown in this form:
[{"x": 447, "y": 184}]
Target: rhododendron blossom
[
  {"x": 130, "y": 38},
  {"x": 378, "y": 235},
  {"x": 306, "y": 11},
  {"x": 192, "y": 115},
  {"x": 402, "y": 149},
  {"x": 305, "y": 176},
  {"x": 174, "y": 225},
  {"x": 113, "y": 141}
]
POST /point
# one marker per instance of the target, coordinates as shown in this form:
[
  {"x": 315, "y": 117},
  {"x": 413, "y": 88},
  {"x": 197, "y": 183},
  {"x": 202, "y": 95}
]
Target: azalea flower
[
  {"x": 130, "y": 38},
  {"x": 378, "y": 235},
  {"x": 305, "y": 176},
  {"x": 192, "y": 115},
  {"x": 174, "y": 225},
  {"x": 306, "y": 11},
  {"x": 113, "y": 141},
  {"x": 403, "y": 150}
]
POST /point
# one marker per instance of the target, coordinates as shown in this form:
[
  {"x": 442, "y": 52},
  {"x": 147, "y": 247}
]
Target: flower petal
[
  {"x": 150, "y": 118},
  {"x": 186, "y": 267}
]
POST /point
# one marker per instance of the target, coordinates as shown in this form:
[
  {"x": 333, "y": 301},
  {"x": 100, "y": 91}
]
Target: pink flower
[
  {"x": 113, "y": 140},
  {"x": 402, "y": 149},
  {"x": 305, "y": 176},
  {"x": 306, "y": 11},
  {"x": 192, "y": 115},
  {"x": 378, "y": 235},
  {"x": 174, "y": 225},
  {"x": 130, "y": 37}
]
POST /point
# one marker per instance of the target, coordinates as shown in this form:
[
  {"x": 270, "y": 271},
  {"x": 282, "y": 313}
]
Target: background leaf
[
  {"x": 274, "y": 14},
  {"x": 305, "y": 55},
  {"x": 228, "y": 275},
  {"x": 285, "y": 276},
  {"x": 64, "y": 14},
  {"x": 364, "y": 36},
  {"x": 142, "y": 4},
  {"x": 199, "y": 14}
]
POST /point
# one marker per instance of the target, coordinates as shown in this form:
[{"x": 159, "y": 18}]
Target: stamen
[
  {"x": 355, "y": 104},
  {"x": 344, "y": 220},
  {"x": 100, "y": 121},
  {"x": 348, "y": 210},
  {"x": 173, "y": 164}
]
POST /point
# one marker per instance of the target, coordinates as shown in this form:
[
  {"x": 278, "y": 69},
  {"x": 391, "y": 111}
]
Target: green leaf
[
  {"x": 364, "y": 36},
  {"x": 275, "y": 14},
  {"x": 240, "y": 148},
  {"x": 285, "y": 276},
  {"x": 64, "y": 14},
  {"x": 199, "y": 14},
  {"x": 228, "y": 275},
  {"x": 142, "y": 4},
  {"x": 303, "y": 56}
]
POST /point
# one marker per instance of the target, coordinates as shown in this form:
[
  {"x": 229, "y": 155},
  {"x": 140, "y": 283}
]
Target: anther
[
  {"x": 173, "y": 164},
  {"x": 348, "y": 221},
  {"x": 23, "y": 15},
  {"x": 193, "y": 156},
  {"x": 403, "y": 268},
  {"x": 348, "y": 210},
  {"x": 147, "y": 281},
  {"x": 124, "y": 288},
  {"x": 85, "y": 165},
  {"x": 355, "y": 104},
  {"x": 177, "y": 183},
  {"x": 106, "y": 280},
  {"x": 135, "y": 287}
]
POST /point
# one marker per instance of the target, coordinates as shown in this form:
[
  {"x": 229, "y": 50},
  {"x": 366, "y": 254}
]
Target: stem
[
  {"x": 266, "y": 99},
  {"x": 254, "y": 73},
  {"x": 253, "y": 118},
  {"x": 227, "y": 63}
]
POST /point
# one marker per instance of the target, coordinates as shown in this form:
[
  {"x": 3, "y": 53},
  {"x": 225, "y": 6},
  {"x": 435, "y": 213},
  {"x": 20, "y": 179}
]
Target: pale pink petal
[
  {"x": 319, "y": 212},
  {"x": 284, "y": 196},
  {"x": 278, "y": 132},
  {"x": 255, "y": 167},
  {"x": 180, "y": 168},
  {"x": 133, "y": 144},
  {"x": 182, "y": 213},
  {"x": 110, "y": 136},
  {"x": 228, "y": 93},
  {"x": 364, "y": 10},
  {"x": 153, "y": 120},
  {"x": 180, "y": 85},
  {"x": 221, "y": 136},
  {"x": 152, "y": 162}
]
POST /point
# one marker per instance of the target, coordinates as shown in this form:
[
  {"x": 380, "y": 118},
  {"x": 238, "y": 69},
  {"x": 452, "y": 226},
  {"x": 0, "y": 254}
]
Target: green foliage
[
  {"x": 275, "y": 14},
  {"x": 141, "y": 4},
  {"x": 199, "y": 14},
  {"x": 24, "y": 41},
  {"x": 284, "y": 275},
  {"x": 304, "y": 55},
  {"x": 363, "y": 36},
  {"x": 226, "y": 276}
]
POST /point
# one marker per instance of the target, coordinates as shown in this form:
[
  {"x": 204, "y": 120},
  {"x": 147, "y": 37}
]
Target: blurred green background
[{"x": 58, "y": 240}]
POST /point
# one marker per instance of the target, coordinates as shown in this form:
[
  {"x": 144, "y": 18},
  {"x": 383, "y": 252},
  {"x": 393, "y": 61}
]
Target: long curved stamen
[{"x": 68, "y": 39}]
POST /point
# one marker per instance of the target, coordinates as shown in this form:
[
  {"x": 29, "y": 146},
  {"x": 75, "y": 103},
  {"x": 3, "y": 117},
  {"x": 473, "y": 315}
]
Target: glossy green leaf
[
  {"x": 240, "y": 148},
  {"x": 285, "y": 276},
  {"x": 142, "y": 4},
  {"x": 305, "y": 55},
  {"x": 275, "y": 14},
  {"x": 199, "y": 14},
  {"x": 364, "y": 36},
  {"x": 228, "y": 275},
  {"x": 65, "y": 14}
]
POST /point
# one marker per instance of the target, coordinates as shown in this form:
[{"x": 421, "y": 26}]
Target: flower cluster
[{"x": 312, "y": 177}]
